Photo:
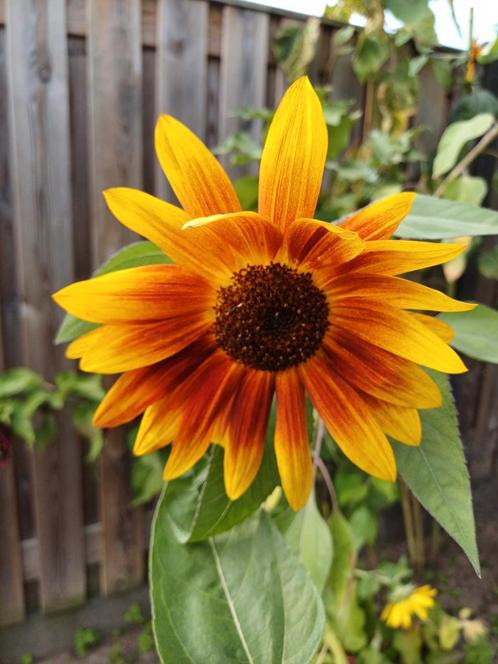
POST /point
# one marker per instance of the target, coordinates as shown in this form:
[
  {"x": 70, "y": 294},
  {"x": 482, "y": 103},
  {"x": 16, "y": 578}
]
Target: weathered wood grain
[
  {"x": 182, "y": 29},
  {"x": 244, "y": 63},
  {"x": 40, "y": 148},
  {"x": 115, "y": 152}
]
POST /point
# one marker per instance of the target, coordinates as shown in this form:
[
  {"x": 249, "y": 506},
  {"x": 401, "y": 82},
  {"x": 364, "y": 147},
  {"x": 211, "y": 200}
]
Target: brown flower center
[{"x": 271, "y": 317}]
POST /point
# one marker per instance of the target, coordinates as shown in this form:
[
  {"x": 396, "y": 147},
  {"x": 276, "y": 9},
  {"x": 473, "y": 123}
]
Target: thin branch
[
  {"x": 324, "y": 472},
  {"x": 488, "y": 138}
]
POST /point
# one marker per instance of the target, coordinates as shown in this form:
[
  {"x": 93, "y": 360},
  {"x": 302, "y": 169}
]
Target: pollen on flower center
[{"x": 271, "y": 317}]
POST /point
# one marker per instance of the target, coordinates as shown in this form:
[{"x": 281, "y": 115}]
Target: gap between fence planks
[
  {"x": 36, "y": 52},
  {"x": 114, "y": 63}
]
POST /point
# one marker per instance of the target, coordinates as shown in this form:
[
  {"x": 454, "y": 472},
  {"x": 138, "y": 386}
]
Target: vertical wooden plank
[
  {"x": 432, "y": 110},
  {"x": 181, "y": 67},
  {"x": 244, "y": 65},
  {"x": 11, "y": 580},
  {"x": 39, "y": 133},
  {"x": 115, "y": 145}
]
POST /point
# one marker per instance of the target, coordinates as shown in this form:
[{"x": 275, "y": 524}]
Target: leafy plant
[{"x": 85, "y": 638}]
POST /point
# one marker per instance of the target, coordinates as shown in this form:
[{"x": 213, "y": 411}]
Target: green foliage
[
  {"x": 434, "y": 218},
  {"x": 201, "y": 507},
  {"x": 27, "y": 659},
  {"x": 295, "y": 47},
  {"x": 145, "y": 640},
  {"x": 488, "y": 263},
  {"x": 134, "y": 615},
  {"x": 146, "y": 477},
  {"x": 133, "y": 255},
  {"x": 437, "y": 475},
  {"x": 455, "y": 137},
  {"x": 85, "y": 638},
  {"x": 476, "y": 332},
  {"x": 249, "y": 600},
  {"x": 479, "y": 101},
  {"x": 467, "y": 189},
  {"x": 28, "y": 404},
  {"x": 309, "y": 536}
]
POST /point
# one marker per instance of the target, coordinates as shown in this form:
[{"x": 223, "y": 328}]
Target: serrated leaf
[
  {"x": 134, "y": 255},
  {"x": 437, "y": 474},
  {"x": 454, "y": 138},
  {"x": 476, "y": 332},
  {"x": 309, "y": 536},
  {"x": 436, "y": 218},
  {"x": 240, "y": 597}
]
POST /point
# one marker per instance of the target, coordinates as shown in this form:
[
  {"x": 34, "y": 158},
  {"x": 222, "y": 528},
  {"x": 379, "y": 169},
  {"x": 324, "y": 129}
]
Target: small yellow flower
[{"x": 416, "y": 601}]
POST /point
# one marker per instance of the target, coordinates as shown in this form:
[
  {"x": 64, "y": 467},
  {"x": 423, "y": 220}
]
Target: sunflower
[
  {"x": 257, "y": 305},
  {"x": 413, "y": 601}
]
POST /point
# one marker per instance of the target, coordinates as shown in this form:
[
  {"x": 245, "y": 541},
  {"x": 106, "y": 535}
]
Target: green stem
[{"x": 408, "y": 522}]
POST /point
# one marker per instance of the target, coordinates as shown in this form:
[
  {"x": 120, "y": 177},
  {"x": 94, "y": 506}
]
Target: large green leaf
[
  {"x": 436, "y": 218},
  {"x": 454, "y": 137},
  {"x": 134, "y": 255},
  {"x": 240, "y": 597},
  {"x": 309, "y": 535},
  {"x": 203, "y": 508},
  {"x": 476, "y": 332},
  {"x": 436, "y": 472}
]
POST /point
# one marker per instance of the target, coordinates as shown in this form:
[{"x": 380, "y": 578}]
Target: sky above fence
[{"x": 485, "y": 18}]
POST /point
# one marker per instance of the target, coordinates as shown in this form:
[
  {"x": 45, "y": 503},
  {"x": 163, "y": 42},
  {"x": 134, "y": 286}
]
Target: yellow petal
[
  {"x": 397, "y": 332},
  {"x": 402, "y": 424},
  {"x": 399, "y": 256},
  {"x": 348, "y": 418},
  {"x": 118, "y": 348},
  {"x": 212, "y": 250},
  {"x": 195, "y": 175},
  {"x": 140, "y": 294},
  {"x": 379, "y": 220},
  {"x": 293, "y": 157},
  {"x": 291, "y": 439},
  {"x": 440, "y": 327},
  {"x": 393, "y": 291}
]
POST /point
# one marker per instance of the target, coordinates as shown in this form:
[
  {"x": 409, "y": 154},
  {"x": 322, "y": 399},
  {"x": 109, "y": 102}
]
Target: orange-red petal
[
  {"x": 211, "y": 390},
  {"x": 379, "y": 373},
  {"x": 135, "y": 390},
  {"x": 396, "y": 331},
  {"x": 246, "y": 426},
  {"x": 293, "y": 157},
  {"x": 314, "y": 244},
  {"x": 380, "y": 219},
  {"x": 291, "y": 439},
  {"x": 140, "y": 294},
  {"x": 118, "y": 348},
  {"x": 348, "y": 418},
  {"x": 195, "y": 175}
]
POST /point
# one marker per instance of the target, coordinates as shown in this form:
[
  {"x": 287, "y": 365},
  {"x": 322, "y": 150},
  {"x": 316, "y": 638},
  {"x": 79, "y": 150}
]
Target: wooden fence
[{"x": 81, "y": 83}]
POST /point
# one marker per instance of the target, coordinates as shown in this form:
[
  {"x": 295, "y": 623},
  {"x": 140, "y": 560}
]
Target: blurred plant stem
[{"x": 412, "y": 518}]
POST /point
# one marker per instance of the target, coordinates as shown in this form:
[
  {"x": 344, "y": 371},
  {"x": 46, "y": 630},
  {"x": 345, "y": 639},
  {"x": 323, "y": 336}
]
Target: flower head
[
  {"x": 409, "y": 602},
  {"x": 263, "y": 304}
]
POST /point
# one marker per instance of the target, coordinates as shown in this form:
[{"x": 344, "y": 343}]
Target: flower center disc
[{"x": 271, "y": 317}]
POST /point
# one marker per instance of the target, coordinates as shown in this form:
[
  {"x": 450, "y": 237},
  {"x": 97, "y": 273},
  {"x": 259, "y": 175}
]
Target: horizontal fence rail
[{"x": 81, "y": 85}]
